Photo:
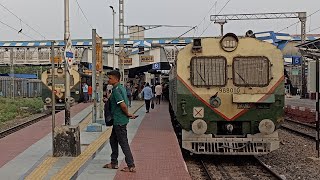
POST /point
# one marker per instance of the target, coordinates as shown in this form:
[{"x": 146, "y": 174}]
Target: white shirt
[
  {"x": 85, "y": 88},
  {"x": 158, "y": 90}
]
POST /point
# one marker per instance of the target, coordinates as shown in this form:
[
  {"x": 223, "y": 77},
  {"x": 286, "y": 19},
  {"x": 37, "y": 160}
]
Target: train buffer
[{"x": 152, "y": 140}]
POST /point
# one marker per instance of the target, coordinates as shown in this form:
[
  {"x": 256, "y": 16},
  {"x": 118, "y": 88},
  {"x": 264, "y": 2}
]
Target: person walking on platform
[
  {"x": 120, "y": 116},
  {"x": 129, "y": 93},
  {"x": 158, "y": 90},
  {"x": 147, "y": 96},
  {"x": 85, "y": 92},
  {"x": 90, "y": 93}
]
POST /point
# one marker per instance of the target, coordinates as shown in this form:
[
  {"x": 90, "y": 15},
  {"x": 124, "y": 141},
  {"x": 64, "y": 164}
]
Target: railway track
[
  {"x": 206, "y": 170},
  {"x": 232, "y": 167},
  {"x": 303, "y": 129},
  {"x": 22, "y": 125}
]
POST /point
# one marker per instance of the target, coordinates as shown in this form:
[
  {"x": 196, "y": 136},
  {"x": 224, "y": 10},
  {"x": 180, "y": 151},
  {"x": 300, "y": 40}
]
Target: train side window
[
  {"x": 208, "y": 71},
  {"x": 253, "y": 71}
]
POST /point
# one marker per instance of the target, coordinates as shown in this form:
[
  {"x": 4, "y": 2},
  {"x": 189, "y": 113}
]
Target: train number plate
[
  {"x": 244, "y": 106},
  {"x": 229, "y": 90}
]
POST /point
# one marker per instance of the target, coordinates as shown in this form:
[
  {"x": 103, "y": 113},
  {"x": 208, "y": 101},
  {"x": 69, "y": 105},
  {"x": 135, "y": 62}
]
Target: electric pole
[
  {"x": 114, "y": 40},
  {"x": 66, "y": 68},
  {"x": 121, "y": 37},
  {"x": 303, "y": 19}
]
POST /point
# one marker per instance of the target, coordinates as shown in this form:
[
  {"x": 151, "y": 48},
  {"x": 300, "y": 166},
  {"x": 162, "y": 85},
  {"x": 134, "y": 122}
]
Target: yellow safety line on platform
[
  {"x": 72, "y": 167},
  {"x": 43, "y": 169}
]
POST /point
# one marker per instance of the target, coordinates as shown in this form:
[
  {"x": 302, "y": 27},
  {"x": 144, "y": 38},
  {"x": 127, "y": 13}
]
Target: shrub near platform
[{"x": 18, "y": 108}]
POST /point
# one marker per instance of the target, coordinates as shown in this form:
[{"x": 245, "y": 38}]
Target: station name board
[
  {"x": 126, "y": 61},
  {"x": 146, "y": 59}
]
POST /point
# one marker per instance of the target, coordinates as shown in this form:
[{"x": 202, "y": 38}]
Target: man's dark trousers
[
  {"x": 147, "y": 104},
  {"x": 119, "y": 136}
]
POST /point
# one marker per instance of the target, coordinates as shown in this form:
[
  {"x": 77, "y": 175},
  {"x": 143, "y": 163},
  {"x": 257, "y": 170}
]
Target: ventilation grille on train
[
  {"x": 251, "y": 71},
  {"x": 208, "y": 71}
]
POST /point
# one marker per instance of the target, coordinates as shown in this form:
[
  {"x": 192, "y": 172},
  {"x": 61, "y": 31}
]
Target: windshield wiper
[
  {"x": 205, "y": 82},
  {"x": 247, "y": 84}
]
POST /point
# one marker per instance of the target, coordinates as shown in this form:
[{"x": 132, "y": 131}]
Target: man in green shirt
[{"x": 120, "y": 116}]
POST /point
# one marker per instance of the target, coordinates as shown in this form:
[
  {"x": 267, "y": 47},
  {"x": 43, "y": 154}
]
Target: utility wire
[
  {"x": 23, "y": 22},
  {"x": 314, "y": 29},
  {"x": 214, "y": 5},
  {"x": 17, "y": 30},
  {"x": 298, "y": 21},
  {"x": 217, "y": 14},
  {"x": 182, "y": 35},
  {"x": 84, "y": 14},
  {"x": 155, "y": 26}
]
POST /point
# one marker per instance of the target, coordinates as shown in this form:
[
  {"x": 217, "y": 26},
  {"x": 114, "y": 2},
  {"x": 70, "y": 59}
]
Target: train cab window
[
  {"x": 251, "y": 71},
  {"x": 208, "y": 71}
]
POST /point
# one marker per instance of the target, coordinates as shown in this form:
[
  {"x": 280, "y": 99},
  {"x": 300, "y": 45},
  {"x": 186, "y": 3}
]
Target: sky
[{"x": 47, "y": 17}]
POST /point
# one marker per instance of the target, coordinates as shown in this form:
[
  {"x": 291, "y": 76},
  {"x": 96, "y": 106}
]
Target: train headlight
[
  {"x": 229, "y": 128},
  {"x": 48, "y": 100},
  {"x": 229, "y": 42},
  {"x": 266, "y": 126},
  {"x": 60, "y": 100},
  {"x": 199, "y": 126},
  {"x": 77, "y": 92}
]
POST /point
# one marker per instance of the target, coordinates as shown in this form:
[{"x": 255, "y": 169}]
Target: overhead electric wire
[
  {"x": 299, "y": 21},
  {"x": 314, "y": 29},
  {"x": 84, "y": 14},
  {"x": 16, "y": 30},
  {"x": 155, "y": 26},
  {"x": 182, "y": 35},
  {"x": 217, "y": 14},
  {"x": 214, "y": 5},
  {"x": 23, "y": 21}
]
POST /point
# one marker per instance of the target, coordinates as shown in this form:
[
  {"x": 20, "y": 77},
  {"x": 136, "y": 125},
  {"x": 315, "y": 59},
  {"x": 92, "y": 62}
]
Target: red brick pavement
[
  {"x": 155, "y": 149},
  {"x": 14, "y": 144}
]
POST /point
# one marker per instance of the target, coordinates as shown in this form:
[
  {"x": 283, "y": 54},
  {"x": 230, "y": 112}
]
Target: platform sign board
[
  {"x": 99, "y": 65},
  {"x": 57, "y": 60},
  {"x": 69, "y": 54},
  {"x": 126, "y": 61},
  {"x": 296, "y": 60},
  {"x": 146, "y": 59},
  {"x": 156, "y": 66}
]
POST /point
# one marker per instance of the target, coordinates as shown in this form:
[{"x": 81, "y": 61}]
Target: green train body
[
  {"x": 227, "y": 95},
  {"x": 76, "y": 94}
]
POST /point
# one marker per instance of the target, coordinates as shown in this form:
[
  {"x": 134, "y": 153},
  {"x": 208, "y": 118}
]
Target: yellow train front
[
  {"x": 76, "y": 79},
  {"x": 227, "y": 96}
]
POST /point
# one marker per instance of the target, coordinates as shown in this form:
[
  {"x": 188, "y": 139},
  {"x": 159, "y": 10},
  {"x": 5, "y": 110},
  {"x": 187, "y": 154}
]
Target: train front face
[
  {"x": 231, "y": 102},
  {"x": 46, "y": 79}
]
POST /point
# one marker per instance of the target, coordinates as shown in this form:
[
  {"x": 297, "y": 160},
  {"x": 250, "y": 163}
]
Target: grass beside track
[{"x": 18, "y": 108}]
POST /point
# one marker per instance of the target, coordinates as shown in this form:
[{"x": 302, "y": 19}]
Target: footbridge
[{"x": 38, "y": 52}]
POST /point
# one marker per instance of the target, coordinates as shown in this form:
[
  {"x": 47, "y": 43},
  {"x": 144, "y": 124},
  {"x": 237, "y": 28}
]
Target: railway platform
[
  {"x": 28, "y": 154},
  {"x": 303, "y": 110}
]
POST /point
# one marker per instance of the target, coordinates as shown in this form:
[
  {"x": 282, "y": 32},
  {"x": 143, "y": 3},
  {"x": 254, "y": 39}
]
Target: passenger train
[
  {"x": 76, "y": 80},
  {"x": 227, "y": 96}
]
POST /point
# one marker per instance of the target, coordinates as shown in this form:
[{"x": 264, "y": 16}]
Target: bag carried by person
[
  {"x": 107, "y": 114},
  {"x": 152, "y": 104}
]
